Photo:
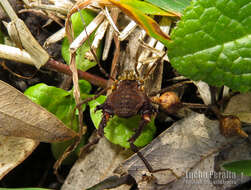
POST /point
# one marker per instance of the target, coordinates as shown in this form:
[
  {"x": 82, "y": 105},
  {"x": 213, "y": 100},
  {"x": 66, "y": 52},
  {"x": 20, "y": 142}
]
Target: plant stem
[{"x": 63, "y": 68}]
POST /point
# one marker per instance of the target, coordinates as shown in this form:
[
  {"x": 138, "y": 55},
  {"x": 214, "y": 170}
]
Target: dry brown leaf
[
  {"x": 96, "y": 166},
  {"x": 20, "y": 117},
  {"x": 13, "y": 150},
  {"x": 240, "y": 106},
  {"x": 193, "y": 144}
]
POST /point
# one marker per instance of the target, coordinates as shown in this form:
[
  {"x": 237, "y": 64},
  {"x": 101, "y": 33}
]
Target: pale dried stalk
[
  {"x": 109, "y": 34},
  {"x": 109, "y": 18},
  {"x": 108, "y": 42},
  {"x": 15, "y": 54},
  {"x": 8, "y": 9},
  {"x": 159, "y": 47},
  {"x": 127, "y": 30},
  {"x": 99, "y": 34},
  {"x": 57, "y": 9},
  {"x": 59, "y": 35},
  {"x": 87, "y": 32},
  {"x": 146, "y": 52}
]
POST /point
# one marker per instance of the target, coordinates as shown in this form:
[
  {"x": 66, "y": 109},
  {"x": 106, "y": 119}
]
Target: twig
[
  {"x": 15, "y": 54},
  {"x": 15, "y": 74},
  {"x": 62, "y": 68}
]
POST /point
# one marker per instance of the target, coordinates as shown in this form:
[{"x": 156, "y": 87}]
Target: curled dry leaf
[
  {"x": 13, "y": 150},
  {"x": 20, "y": 117}
]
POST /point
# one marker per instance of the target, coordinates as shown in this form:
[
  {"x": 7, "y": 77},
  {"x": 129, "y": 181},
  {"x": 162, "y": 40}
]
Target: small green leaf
[
  {"x": 119, "y": 130},
  {"x": 171, "y": 5},
  {"x": 61, "y": 103},
  {"x": 82, "y": 63},
  {"x": 239, "y": 167},
  {"x": 58, "y": 101},
  {"x": 212, "y": 42},
  {"x": 55, "y": 100}
]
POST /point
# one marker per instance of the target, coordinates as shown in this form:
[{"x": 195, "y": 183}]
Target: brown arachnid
[{"x": 129, "y": 98}]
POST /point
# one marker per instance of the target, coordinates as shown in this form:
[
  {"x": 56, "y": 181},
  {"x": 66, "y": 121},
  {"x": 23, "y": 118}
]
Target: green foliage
[
  {"x": 119, "y": 130},
  {"x": 61, "y": 103},
  {"x": 58, "y": 101},
  {"x": 171, "y": 5},
  {"x": 239, "y": 167},
  {"x": 144, "y": 7},
  {"x": 212, "y": 42},
  {"x": 82, "y": 63}
]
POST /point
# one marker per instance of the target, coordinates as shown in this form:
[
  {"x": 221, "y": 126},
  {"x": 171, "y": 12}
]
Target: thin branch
[{"x": 63, "y": 68}]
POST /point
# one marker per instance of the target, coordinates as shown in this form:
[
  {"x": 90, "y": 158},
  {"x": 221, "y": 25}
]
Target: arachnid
[{"x": 127, "y": 99}]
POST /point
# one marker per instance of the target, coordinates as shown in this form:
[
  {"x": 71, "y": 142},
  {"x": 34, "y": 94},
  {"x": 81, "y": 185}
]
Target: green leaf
[
  {"x": 212, "y": 42},
  {"x": 138, "y": 11},
  {"x": 239, "y": 167},
  {"x": 61, "y": 103},
  {"x": 82, "y": 63},
  {"x": 55, "y": 100},
  {"x": 145, "y": 7},
  {"x": 58, "y": 101},
  {"x": 119, "y": 130},
  {"x": 171, "y": 5}
]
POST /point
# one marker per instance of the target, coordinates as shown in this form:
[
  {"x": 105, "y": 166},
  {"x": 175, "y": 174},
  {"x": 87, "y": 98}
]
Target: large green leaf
[
  {"x": 239, "y": 167},
  {"x": 212, "y": 42},
  {"x": 119, "y": 130},
  {"x": 171, "y": 5}
]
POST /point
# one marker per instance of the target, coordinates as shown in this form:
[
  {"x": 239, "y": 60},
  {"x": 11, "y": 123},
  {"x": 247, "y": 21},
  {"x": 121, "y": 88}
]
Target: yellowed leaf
[
  {"x": 13, "y": 150},
  {"x": 20, "y": 117}
]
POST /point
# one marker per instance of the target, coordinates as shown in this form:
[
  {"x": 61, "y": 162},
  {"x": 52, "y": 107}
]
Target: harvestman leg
[
  {"x": 142, "y": 124},
  {"x": 100, "y": 131},
  {"x": 145, "y": 119}
]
